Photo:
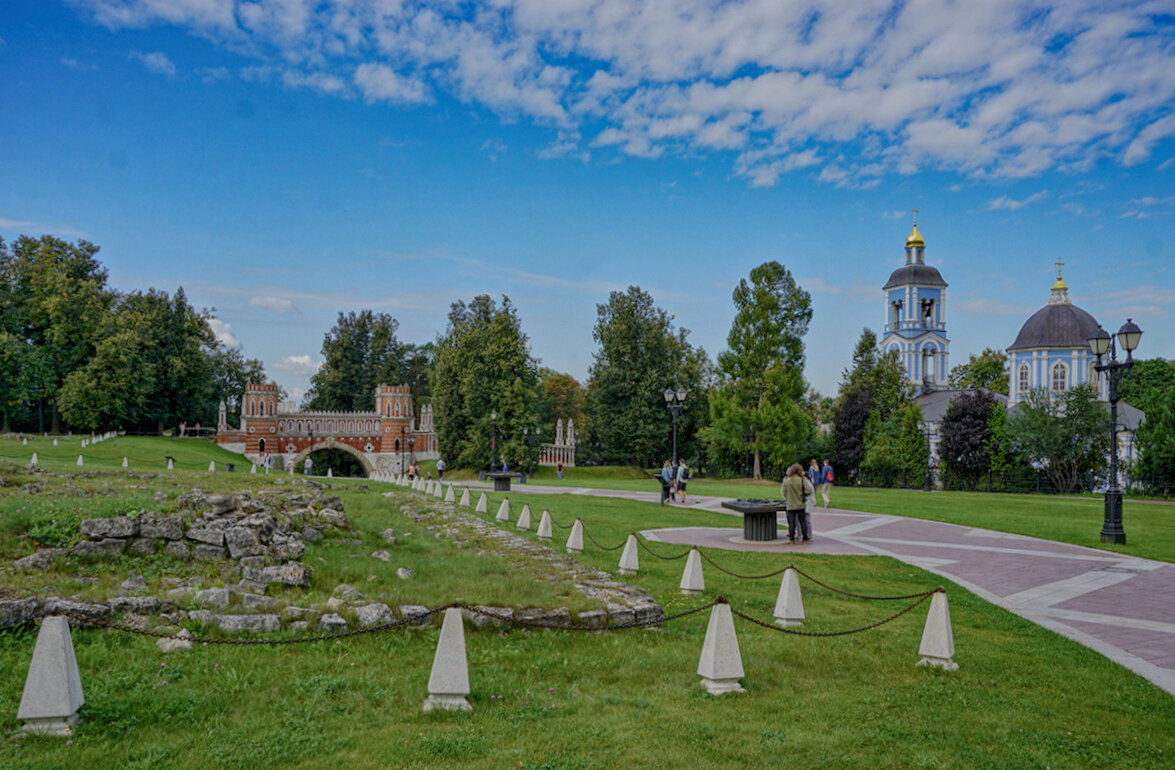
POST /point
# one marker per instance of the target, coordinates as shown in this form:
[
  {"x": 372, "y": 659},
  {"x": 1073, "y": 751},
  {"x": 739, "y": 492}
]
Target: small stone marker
[
  {"x": 524, "y": 517},
  {"x": 330, "y": 473},
  {"x": 938, "y": 642},
  {"x": 54, "y": 442},
  {"x": 630, "y": 562},
  {"x": 24, "y": 442},
  {"x": 481, "y": 503},
  {"x": 575, "y": 539},
  {"x": 789, "y": 605},
  {"x": 181, "y": 641},
  {"x": 544, "y": 531},
  {"x": 692, "y": 579},
  {"x": 212, "y": 466},
  {"x": 253, "y": 469},
  {"x": 83, "y": 443},
  {"x": 125, "y": 462},
  {"x": 170, "y": 464},
  {"x": 464, "y": 498},
  {"x": 448, "y": 684},
  {"x": 53, "y": 689},
  {"x": 80, "y": 461},
  {"x": 503, "y": 511},
  {"x": 34, "y": 460},
  {"x": 449, "y": 496},
  {"x": 721, "y": 664},
  {"x": 436, "y": 490}
]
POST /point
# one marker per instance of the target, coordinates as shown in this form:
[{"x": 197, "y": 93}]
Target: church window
[
  {"x": 1024, "y": 385},
  {"x": 1060, "y": 378},
  {"x": 261, "y": 445}
]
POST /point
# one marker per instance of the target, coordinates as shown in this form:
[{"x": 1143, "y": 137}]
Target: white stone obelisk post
[
  {"x": 544, "y": 530},
  {"x": 253, "y": 469},
  {"x": 938, "y": 642},
  {"x": 575, "y": 539},
  {"x": 630, "y": 562},
  {"x": 81, "y": 462},
  {"x": 448, "y": 684},
  {"x": 436, "y": 490},
  {"x": 212, "y": 466},
  {"x": 449, "y": 496},
  {"x": 482, "y": 503},
  {"x": 33, "y": 461},
  {"x": 464, "y": 498},
  {"x": 789, "y": 604},
  {"x": 53, "y": 688},
  {"x": 692, "y": 579},
  {"x": 524, "y": 517},
  {"x": 503, "y": 511},
  {"x": 721, "y": 664},
  {"x": 170, "y": 464}
]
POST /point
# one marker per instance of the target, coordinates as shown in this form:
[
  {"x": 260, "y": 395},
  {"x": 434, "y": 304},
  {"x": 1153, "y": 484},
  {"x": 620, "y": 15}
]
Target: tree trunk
[
  {"x": 758, "y": 466},
  {"x": 7, "y": 426},
  {"x": 55, "y": 420},
  {"x": 159, "y": 426}
]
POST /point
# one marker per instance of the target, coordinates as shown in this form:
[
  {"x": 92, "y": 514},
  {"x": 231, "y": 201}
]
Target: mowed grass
[
  {"x": 1023, "y": 697},
  {"x": 143, "y": 453},
  {"x": 1150, "y": 526}
]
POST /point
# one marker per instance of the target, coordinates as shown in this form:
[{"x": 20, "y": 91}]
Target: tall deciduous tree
[
  {"x": 562, "y": 398},
  {"x": 1147, "y": 380},
  {"x": 640, "y": 355},
  {"x": 873, "y": 381},
  {"x": 484, "y": 366},
  {"x": 762, "y": 371},
  {"x": 988, "y": 369},
  {"x": 1066, "y": 436},
  {"x": 360, "y": 352},
  {"x": 965, "y": 443}
]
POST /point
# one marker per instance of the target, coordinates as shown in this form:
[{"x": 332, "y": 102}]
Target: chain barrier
[
  {"x": 720, "y": 568},
  {"x": 560, "y": 526},
  {"x": 596, "y": 543},
  {"x": 860, "y": 596},
  {"x": 651, "y": 552},
  {"x": 869, "y": 627},
  {"x": 574, "y": 627}
]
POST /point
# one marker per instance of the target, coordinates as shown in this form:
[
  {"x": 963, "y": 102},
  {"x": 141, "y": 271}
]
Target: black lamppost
[
  {"x": 493, "y": 440},
  {"x": 411, "y": 450},
  {"x": 400, "y": 443},
  {"x": 531, "y": 435},
  {"x": 927, "y": 481},
  {"x": 1101, "y": 343},
  {"x": 675, "y": 402}
]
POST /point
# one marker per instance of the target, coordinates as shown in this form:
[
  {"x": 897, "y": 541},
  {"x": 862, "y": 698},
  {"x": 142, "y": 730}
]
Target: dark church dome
[
  {"x": 1056, "y": 326},
  {"x": 918, "y": 274}
]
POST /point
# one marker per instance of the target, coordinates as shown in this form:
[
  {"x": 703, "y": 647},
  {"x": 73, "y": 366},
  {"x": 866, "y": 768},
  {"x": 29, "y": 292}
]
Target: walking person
[
  {"x": 814, "y": 473},
  {"x": 559, "y": 470},
  {"x": 795, "y": 490},
  {"x": 825, "y": 481},
  {"x": 666, "y": 482},
  {"x": 441, "y": 469},
  {"x": 266, "y": 461},
  {"x": 308, "y": 468},
  {"x": 682, "y": 479}
]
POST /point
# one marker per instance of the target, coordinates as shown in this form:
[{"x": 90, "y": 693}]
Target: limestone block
[
  {"x": 311, "y": 534},
  {"x": 167, "y": 527},
  {"x": 143, "y": 546},
  {"x": 692, "y": 579},
  {"x": 177, "y": 549},
  {"x": 464, "y": 498},
  {"x": 242, "y": 541},
  {"x": 374, "y": 614},
  {"x": 140, "y": 605},
  {"x": 481, "y": 621},
  {"x": 560, "y": 616},
  {"x": 411, "y": 610},
  {"x": 332, "y": 622},
  {"x": 938, "y": 641},
  {"x": 524, "y": 518},
  {"x": 290, "y": 574},
  {"x": 594, "y": 618},
  {"x": 544, "y": 530},
  {"x": 482, "y": 503},
  {"x": 17, "y": 610},
  {"x": 347, "y": 592},
  {"x": 69, "y": 608},
  {"x": 298, "y": 613},
  {"x": 448, "y": 684},
  {"x": 405, "y": 574},
  {"x": 300, "y": 626},
  {"x": 53, "y": 688},
  {"x": 206, "y": 535},
  {"x": 503, "y": 511},
  {"x": 646, "y": 612},
  {"x": 108, "y": 547},
  {"x": 262, "y": 523},
  {"x": 180, "y": 641},
  {"x": 721, "y": 663},
  {"x": 381, "y": 555},
  {"x": 39, "y": 559},
  {"x": 235, "y": 624},
  {"x": 252, "y": 561},
  {"x": 789, "y": 605},
  {"x": 205, "y": 552},
  {"x": 620, "y": 615},
  {"x": 630, "y": 559},
  {"x": 389, "y": 536},
  {"x": 218, "y": 504},
  {"x": 115, "y": 526},
  {"x": 213, "y": 597},
  {"x": 575, "y": 539},
  {"x": 135, "y": 584}
]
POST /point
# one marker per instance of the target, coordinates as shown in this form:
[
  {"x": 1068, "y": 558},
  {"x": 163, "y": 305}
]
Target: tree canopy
[
  {"x": 988, "y": 369},
  {"x": 1066, "y": 436}
]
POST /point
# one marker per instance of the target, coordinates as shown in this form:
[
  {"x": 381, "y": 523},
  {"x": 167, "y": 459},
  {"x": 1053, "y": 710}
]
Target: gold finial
[
  {"x": 1059, "y": 263},
  {"x": 1060, "y": 293},
  {"x": 915, "y": 237},
  {"x": 915, "y": 217}
]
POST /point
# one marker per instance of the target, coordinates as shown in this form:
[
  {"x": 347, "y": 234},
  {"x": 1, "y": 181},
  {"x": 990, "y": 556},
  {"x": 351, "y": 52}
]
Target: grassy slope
[
  {"x": 143, "y": 453},
  {"x": 1024, "y": 697}
]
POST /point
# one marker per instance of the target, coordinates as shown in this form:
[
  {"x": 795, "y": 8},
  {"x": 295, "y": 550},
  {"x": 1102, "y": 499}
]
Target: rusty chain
[
  {"x": 720, "y": 568},
  {"x": 596, "y": 543},
  {"x": 859, "y": 596},
  {"x": 557, "y": 524},
  {"x": 782, "y": 630},
  {"x": 651, "y": 552},
  {"x": 573, "y": 627}
]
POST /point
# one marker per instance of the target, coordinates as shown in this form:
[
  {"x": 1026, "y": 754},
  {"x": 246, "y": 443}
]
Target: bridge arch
[{"x": 330, "y": 443}]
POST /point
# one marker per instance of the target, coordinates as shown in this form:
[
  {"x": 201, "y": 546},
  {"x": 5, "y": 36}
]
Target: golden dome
[{"x": 914, "y": 238}]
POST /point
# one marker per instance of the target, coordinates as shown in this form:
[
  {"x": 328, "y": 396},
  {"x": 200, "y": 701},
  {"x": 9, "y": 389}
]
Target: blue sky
[{"x": 283, "y": 160}]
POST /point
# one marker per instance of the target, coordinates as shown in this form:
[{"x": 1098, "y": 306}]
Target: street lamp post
[
  {"x": 675, "y": 402},
  {"x": 1101, "y": 343},
  {"x": 401, "y": 443},
  {"x": 411, "y": 450},
  {"x": 927, "y": 481}
]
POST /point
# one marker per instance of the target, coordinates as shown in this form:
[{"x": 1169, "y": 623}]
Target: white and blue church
[{"x": 915, "y": 321}]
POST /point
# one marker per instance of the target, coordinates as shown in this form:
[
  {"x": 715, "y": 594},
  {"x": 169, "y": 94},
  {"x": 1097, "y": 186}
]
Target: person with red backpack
[{"x": 825, "y": 481}]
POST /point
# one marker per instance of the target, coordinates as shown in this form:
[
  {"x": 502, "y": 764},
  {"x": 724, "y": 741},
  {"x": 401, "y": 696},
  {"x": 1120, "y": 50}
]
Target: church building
[{"x": 915, "y": 321}]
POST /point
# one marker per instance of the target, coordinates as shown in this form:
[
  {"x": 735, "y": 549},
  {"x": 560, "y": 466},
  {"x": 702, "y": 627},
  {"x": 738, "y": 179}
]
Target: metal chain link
[
  {"x": 860, "y": 596},
  {"x": 597, "y": 543},
  {"x": 651, "y": 552},
  {"x": 720, "y": 568},
  {"x": 560, "y": 526},
  {"x": 573, "y": 627},
  {"x": 783, "y": 630}
]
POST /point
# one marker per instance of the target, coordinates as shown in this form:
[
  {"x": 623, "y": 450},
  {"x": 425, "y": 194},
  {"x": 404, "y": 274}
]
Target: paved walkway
[{"x": 1120, "y": 606}]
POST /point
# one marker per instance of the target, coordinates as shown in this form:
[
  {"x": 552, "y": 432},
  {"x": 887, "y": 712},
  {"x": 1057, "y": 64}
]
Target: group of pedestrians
[
  {"x": 674, "y": 480},
  {"x": 798, "y": 491}
]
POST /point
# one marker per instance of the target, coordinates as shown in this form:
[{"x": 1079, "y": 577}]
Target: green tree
[
  {"x": 988, "y": 370},
  {"x": 998, "y": 447},
  {"x": 1147, "y": 380},
  {"x": 562, "y": 398},
  {"x": 231, "y": 372},
  {"x": 1155, "y": 443},
  {"x": 360, "y": 352},
  {"x": 1066, "y": 436},
  {"x": 762, "y": 383},
  {"x": 965, "y": 436},
  {"x": 640, "y": 355},
  {"x": 873, "y": 381},
  {"x": 484, "y": 368}
]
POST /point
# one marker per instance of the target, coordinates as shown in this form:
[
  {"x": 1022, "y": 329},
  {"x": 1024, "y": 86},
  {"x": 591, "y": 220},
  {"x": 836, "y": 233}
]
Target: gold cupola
[
  {"x": 914, "y": 238},
  {"x": 1060, "y": 292}
]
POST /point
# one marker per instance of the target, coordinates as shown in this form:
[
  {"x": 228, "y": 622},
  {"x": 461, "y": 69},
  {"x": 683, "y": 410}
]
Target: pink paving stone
[
  {"x": 1152, "y": 646},
  {"x": 917, "y": 529},
  {"x": 1147, "y": 596}
]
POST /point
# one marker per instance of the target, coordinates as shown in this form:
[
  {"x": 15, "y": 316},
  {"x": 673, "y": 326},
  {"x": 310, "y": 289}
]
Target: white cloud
[
  {"x": 1011, "y": 204},
  {"x": 155, "y": 61},
  {"x": 274, "y": 304},
  {"x": 845, "y": 92},
  {"x": 494, "y": 148},
  {"x": 213, "y": 74},
  {"x": 223, "y": 333},
  {"x": 303, "y": 365},
  {"x": 26, "y": 227}
]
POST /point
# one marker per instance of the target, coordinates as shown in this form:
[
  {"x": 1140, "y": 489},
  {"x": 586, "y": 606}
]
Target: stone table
[
  {"x": 501, "y": 480},
  {"x": 759, "y": 517}
]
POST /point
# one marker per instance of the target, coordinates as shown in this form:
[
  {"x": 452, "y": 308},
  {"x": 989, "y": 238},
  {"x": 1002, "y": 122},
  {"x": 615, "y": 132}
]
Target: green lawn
[
  {"x": 1024, "y": 696},
  {"x": 143, "y": 453}
]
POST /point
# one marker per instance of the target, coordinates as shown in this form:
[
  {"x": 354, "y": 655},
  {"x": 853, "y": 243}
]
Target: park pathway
[{"x": 1121, "y": 606}]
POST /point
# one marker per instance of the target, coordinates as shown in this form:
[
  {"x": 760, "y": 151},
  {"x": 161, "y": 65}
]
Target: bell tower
[{"x": 915, "y": 317}]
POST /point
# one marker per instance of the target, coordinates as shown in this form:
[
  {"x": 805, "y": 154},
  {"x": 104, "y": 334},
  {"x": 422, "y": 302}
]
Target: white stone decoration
[
  {"x": 692, "y": 579},
  {"x": 575, "y": 539},
  {"x": 449, "y": 496},
  {"x": 53, "y": 688},
  {"x": 481, "y": 503},
  {"x": 33, "y": 461},
  {"x": 630, "y": 562},
  {"x": 330, "y": 473},
  {"x": 253, "y": 469},
  {"x": 436, "y": 490},
  {"x": 721, "y": 663},
  {"x": 125, "y": 462},
  {"x": 448, "y": 684},
  {"x": 544, "y": 530},
  {"x": 938, "y": 642},
  {"x": 789, "y": 605},
  {"x": 54, "y": 442},
  {"x": 212, "y": 466},
  {"x": 80, "y": 461},
  {"x": 464, "y": 498},
  {"x": 524, "y": 518},
  {"x": 24, "y": 442},
  {"x": 170, "y": 464},
  {"x": 503, "y": 511}
]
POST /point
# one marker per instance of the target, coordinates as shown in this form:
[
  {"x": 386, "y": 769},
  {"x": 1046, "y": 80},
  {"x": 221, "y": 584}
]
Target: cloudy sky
[{"x": 283, "y": 160}]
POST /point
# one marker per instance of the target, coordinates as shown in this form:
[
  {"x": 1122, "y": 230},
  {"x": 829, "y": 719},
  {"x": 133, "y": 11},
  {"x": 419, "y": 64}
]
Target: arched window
[
  {"x": 1024, "y": 376},
  {"x": 261, "y": 445},
  {"x": 1060, "y": 378}
]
